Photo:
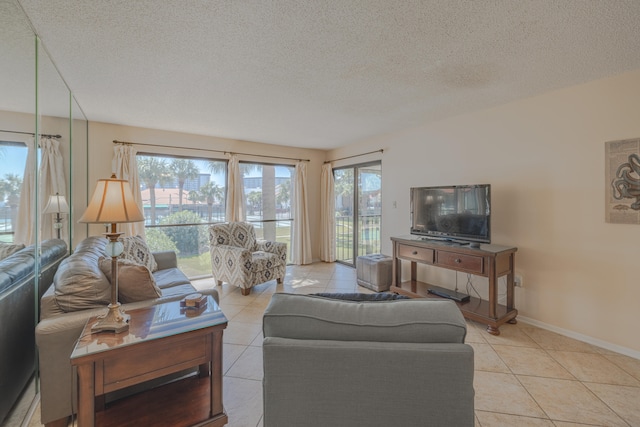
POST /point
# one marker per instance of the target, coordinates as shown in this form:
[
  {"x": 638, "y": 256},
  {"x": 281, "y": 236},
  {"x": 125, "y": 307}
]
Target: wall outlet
[
  {"x": 395, "y": 204},
  {"x": 517, "y": 281}
]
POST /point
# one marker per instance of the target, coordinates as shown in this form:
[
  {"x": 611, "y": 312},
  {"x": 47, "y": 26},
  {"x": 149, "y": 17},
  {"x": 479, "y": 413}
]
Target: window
[
  {"x": 181, "y": 196},
  {"x": 13, "y": 158},
  {"x": 267, "y": 191}
]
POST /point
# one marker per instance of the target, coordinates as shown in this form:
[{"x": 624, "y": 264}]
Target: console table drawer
[
  {"x": 469, "y": 263},
  {"x": 416, "y": 254},
  {"x": 165, "y": 357}
]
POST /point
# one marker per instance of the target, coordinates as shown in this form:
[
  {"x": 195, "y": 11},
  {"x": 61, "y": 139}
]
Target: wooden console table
[
  {"x": 161, "y": 340},
  {"x": 491, "y": 261}
]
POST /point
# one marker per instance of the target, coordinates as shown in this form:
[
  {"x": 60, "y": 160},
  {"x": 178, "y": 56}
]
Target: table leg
[
  {"x": 493, "y": 330},
  {"x": 216, "y": 374},
  {"x": 86, "y": 395}
]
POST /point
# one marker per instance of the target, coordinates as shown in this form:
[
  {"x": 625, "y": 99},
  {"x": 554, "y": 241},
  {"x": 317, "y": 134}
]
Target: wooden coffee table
[{"x": 161, "y": 340}]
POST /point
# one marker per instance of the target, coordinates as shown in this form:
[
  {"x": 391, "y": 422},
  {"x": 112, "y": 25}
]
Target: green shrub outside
[
  {"x": 188, "y": 240},
  {"x": 158, "y": 241}
]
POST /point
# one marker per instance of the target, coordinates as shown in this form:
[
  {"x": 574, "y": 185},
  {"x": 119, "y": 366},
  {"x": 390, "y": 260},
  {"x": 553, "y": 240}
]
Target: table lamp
[
  {"x": 57, "y": 204},
  {"x": 112, "y": 203}
]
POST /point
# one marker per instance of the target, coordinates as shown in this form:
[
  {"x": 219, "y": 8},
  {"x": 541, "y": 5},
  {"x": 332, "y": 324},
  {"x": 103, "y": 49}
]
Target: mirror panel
[
  {"x": 38, "y": 117},
  {"x": 79, "y": 167},
  {"x": 54, "y": 132},
  {"x": 18, "y": 125}
]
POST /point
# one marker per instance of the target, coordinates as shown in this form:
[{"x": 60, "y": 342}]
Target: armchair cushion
[{"x": 277, "y": 248}]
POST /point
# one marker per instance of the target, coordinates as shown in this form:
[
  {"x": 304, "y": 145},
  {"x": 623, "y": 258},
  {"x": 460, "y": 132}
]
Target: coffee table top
[{"x": 150, "y": 323}]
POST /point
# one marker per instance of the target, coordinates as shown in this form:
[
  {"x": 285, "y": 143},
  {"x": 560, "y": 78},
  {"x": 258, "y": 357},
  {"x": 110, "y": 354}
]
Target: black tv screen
[{"x": 455, "y": 212}]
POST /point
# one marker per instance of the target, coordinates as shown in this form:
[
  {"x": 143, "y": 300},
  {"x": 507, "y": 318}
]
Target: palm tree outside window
[{"x": 13, "y": 158}]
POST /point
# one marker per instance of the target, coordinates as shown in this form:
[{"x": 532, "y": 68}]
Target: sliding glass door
[{"x": 357, "y": 192}]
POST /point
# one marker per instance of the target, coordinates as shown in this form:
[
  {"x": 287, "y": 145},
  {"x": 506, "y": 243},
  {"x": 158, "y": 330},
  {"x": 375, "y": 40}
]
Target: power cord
[{"x": 471, "y": 286}]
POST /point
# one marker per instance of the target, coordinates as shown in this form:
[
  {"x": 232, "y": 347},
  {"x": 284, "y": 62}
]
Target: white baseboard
[{"x": 580, "y": 337}]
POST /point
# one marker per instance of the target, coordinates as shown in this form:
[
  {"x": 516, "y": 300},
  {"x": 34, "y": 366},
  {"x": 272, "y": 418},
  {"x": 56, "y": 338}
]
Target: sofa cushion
[
  {"x": 184, "y": 289},
  {"x": 7, "y": 249},
  {"x": 319, "y": 318},
  {"x": 135, "y": 282},
  {"x": 19, "y": 265},
  {"x": 52, "y": 250},
  {"x": 136, "y": 250},
  {"x": 170, "y": 277},
  {"x": 79, "y": 282}
]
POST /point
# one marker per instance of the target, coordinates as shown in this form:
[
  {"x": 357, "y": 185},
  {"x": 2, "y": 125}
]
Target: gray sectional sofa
[
  {"x": 66, "y": 307},
  {"x": 340, "y": 363}
]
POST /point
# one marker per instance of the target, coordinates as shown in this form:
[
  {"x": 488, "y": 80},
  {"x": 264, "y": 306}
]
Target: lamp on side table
[
  {"x": 112, "y": 203},
  {"x": 57, "y": 204}
]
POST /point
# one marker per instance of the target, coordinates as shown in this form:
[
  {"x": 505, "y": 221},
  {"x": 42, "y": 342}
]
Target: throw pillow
[
  {"x": 7, "y": 249},
  {"x": 135, "y": 282},
  {"x": 136, "y": 250}
]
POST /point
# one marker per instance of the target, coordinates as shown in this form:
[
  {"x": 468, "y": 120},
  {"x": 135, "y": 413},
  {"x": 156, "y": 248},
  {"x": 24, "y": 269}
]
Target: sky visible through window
[{"x": 12, "y": 159}]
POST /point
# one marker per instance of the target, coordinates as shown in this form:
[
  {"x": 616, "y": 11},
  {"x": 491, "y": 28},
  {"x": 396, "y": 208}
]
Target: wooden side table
[{"x": 161, "y": 340}]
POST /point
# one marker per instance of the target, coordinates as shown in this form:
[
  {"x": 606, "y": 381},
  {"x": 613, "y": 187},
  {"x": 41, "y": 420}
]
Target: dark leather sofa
[{"x": 18, "y": 315}]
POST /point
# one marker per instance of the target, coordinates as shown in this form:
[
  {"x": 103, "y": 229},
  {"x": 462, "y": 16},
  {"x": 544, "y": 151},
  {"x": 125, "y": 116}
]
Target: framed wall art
[{"x": 622, "y": 187}]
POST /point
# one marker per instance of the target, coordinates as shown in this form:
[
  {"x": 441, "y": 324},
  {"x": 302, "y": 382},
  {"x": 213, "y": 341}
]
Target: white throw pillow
[{"x": 136, "y": 250}]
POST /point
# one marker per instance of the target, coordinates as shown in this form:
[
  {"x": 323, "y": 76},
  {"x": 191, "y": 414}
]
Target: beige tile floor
[{"x": 527, "y": 376}]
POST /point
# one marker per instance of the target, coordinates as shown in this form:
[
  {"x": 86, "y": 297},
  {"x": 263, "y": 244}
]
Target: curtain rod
[
  {"x": 355, "y": 155},
  {"x": 115, "y": 141},
  {"x": 31, "y": 133}
]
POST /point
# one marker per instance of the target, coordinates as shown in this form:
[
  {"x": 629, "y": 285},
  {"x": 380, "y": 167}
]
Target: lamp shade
[
  {"x": 112, "y": 202},
  {"x": 56, "y": 204}
]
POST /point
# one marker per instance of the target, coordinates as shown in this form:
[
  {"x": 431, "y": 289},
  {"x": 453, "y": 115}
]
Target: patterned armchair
[{"x": 239, "y": 259}]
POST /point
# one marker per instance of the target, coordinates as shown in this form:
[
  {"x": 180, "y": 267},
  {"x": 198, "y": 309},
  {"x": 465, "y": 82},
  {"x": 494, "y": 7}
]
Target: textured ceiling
[{"x": 323, "y": 74}]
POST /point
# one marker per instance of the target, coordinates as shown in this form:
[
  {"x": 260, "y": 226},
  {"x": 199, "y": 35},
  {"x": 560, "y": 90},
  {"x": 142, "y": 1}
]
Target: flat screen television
[{"x": 460, "y": 213}]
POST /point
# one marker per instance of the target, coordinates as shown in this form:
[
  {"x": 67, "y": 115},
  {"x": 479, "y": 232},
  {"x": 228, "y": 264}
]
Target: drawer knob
[
  {"x": 458, "y": 260},
  {"x": 414, "y": 253}
]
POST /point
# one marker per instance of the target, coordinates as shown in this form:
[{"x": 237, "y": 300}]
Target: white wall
[
  {"x": 101, "y": 136},
  {"x": 544, "y": 157}
]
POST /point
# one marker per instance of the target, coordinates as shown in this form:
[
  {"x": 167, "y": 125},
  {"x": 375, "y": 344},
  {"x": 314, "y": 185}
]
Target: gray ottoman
[{"x": 374, "y": 272}]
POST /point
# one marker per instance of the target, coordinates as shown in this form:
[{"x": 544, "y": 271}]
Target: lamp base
[{"x": 114, "y": 321}]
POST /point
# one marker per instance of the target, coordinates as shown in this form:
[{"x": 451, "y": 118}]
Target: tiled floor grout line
[
  {"x": 521, "y": 384},
  {"x": 603, "y": 402},
  {"x": 631, "y": 374},
  {"x": 582, "y": 383}
]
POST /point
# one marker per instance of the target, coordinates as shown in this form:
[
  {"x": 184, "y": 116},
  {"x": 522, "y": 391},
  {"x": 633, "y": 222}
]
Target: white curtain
[
  {"x": 25, "y": 232},
  {"x": 301, "y": 238},
  {"x": 235, "y": 192},
  {"x": 327, "y": 215},
  {"x": 126, "y": 167},
  {"x": 52, "y": 182}
]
